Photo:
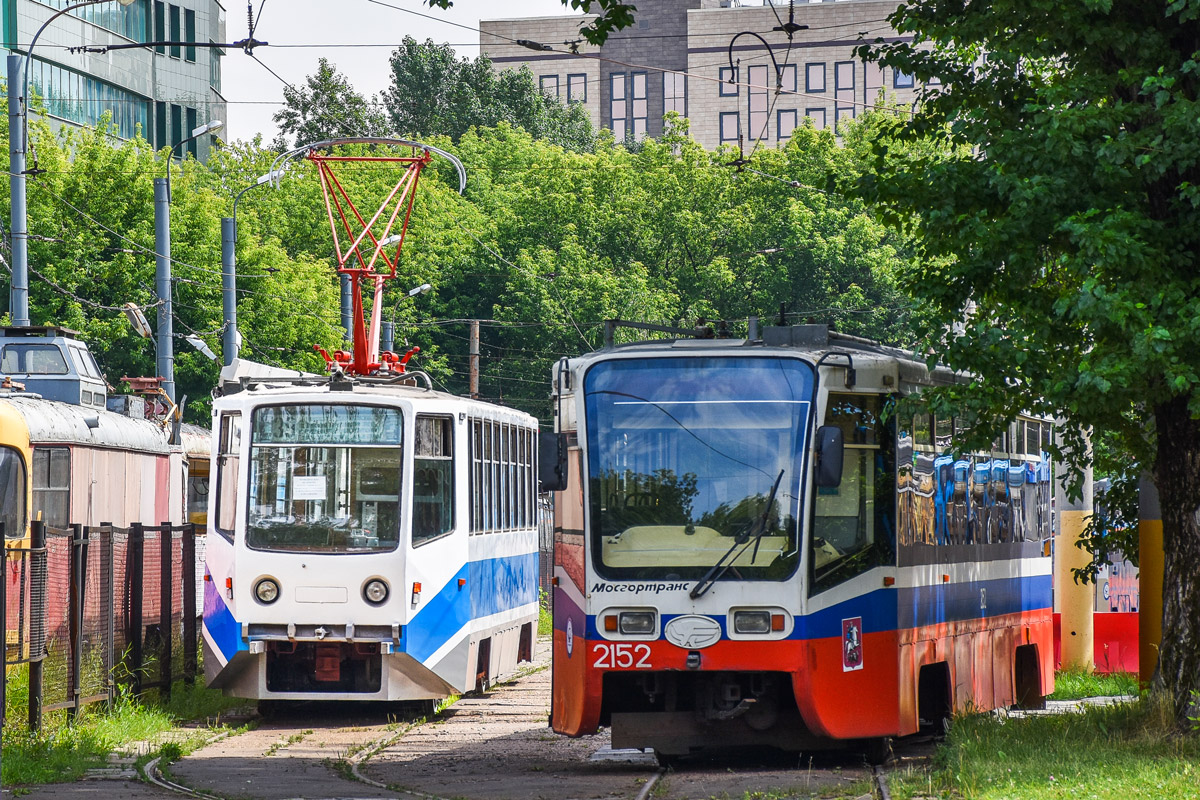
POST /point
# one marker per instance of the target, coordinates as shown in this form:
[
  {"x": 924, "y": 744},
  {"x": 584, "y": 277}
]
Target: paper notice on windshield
[{"x": 308, "y": 487}]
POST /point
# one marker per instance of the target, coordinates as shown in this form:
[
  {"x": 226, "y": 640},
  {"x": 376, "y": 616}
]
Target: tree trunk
[{"x": 1177, "y": 476}]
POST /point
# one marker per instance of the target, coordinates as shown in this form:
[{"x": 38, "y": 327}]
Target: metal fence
[{"x": 93, "y": 610}]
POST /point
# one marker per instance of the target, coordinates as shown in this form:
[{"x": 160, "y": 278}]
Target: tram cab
[{"x": 368, "y": 540}]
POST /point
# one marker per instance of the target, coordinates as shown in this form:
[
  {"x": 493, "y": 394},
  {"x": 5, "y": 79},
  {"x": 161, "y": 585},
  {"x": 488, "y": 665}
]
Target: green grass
[
  {"x": 1116, "y": 752},
  {"x": 63, "y": 751},
  {"x": 1073, "y": 684},
  {"x": 545, "y": 619}
]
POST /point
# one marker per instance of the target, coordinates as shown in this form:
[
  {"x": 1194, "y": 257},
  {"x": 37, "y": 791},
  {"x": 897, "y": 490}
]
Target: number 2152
[{"x": 621, "y": 656}]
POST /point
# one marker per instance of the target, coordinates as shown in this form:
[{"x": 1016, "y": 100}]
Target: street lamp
[
  {"x": 18, "y": 140},
  {"x": 230, "y": 338},
  {"x": 162, "y": 264},
  {"x": 212, "y": 126},
  {"x": 388, "y": 329}
]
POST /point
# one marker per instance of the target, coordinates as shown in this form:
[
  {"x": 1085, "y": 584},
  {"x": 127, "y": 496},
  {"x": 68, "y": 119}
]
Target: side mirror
[
  {"x": 830, "y": 448},
  {"x": 552, "y": 462}
]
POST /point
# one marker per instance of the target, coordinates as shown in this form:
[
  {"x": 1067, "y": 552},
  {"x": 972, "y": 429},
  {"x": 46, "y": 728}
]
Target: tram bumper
[{"x": 306, "y": 662}]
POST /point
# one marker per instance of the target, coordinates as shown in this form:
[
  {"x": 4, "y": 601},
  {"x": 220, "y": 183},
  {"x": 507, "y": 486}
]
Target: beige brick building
[{"x": 676, "y": 57}]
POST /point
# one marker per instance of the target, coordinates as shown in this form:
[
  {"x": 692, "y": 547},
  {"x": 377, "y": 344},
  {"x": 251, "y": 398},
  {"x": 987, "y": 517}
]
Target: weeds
[
  {"x": 1107, "y": 752},
  {"x": 1075, "y": 683}
]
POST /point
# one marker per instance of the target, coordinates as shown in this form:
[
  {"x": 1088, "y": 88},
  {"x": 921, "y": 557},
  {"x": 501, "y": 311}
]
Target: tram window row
[{"x": 502, "y": 477}]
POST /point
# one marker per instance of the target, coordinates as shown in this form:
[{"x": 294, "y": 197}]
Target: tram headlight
[
  {"x": 634, "y": 623},
  {"x": 375, "y": 591},
  {"x": 267, "y": 591},
  {"x": 752, "y": 621}
]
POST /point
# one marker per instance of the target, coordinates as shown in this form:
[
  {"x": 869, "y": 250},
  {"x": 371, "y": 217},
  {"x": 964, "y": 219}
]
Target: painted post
[
  {"x": 1150, "y": 578},
  {"x": 1076, "y": 601}
]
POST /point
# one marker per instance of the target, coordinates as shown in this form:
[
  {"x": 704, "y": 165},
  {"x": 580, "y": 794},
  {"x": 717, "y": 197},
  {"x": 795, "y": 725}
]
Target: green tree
[
  {"x": 1052, "y": 185},
  {"x": 435, "y": 93},
  {"x": 328, "y": 107}
]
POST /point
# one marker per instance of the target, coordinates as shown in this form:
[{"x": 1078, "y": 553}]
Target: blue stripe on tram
[{"x": 492, "y": 586}]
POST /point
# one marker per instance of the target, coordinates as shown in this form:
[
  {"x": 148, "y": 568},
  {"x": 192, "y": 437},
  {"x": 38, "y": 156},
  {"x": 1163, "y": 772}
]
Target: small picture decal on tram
[
  {"x": 570, "y": 638},
  {"x": 852, "y": 654}
]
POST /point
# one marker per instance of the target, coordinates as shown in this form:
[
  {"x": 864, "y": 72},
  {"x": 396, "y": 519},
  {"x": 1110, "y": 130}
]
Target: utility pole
[
  {"x": 18, "y": 298},
  {"x": 474, "y": 361},
  {"x": 162, "y": 285},
  {"x": 229, "y": 336}
]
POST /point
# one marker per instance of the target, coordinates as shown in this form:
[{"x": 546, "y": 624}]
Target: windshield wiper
[{"x": 754, "y": 531}]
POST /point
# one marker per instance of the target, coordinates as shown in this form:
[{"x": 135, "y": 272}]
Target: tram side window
[
  {"x": 228, "y": 463},
  {"x": 433, "y": 479},
  {"x": 501, "y": 476},
  {"x": 52, "y": 486},
  {"x": 853, "y": 524},
  {"x": 12, "y": 493}
]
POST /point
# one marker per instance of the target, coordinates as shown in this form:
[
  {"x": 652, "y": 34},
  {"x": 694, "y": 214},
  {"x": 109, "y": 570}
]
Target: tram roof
[
  {"x": 811, "y": 341},
  {"x": 55, "y": 422}
]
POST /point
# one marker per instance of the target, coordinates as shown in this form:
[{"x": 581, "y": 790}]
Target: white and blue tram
[{"x": 367, "y": 541}]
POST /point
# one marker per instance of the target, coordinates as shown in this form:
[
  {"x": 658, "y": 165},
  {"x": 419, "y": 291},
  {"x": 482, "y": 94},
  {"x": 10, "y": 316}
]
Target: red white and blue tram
[{"x": 750, "y": 551}]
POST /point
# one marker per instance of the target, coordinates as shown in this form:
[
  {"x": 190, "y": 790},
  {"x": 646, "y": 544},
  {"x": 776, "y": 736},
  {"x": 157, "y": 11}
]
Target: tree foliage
[
  {"x": 435, "y": 93},
  {"x": 328, "y": 107},
  {"x": 1050, "y": 177}
]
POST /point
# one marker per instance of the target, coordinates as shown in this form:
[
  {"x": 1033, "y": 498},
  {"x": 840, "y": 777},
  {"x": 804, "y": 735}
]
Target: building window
[
  {"x": 618, "y": 105},
  {"x": 160, "y": 125},
  {"x": 84, "y": 100},
  {"x": 786, "y": 122},
  {"x": 52, "y": 485},
  {"x": 641, "y": 105},
  {"x": 843, "y": 90},
  {"x": 728, "y": 86},
  {"x": 756, "y": 76},
  {"x": 787, "y": 78},
  {"x": 728, "y": 125},
  {"x": 817, "y": 115},
  {"x": 901, "y": 81},
  {"x": 549, "y": 85},
  {"x": 176, "y": 30},
  {"x": 189, "y": 35},
  {"x": 130, "y": 21},
  {"x": 872, "y": 82},
  {"x": 675, "y": 93},
  {"x": 814, "y": 78},
  {"x": 176, "y": 125},
  {"x": 214, "y": 66},
  {"x": 160, "y": 25},
  {"x": 577, "y": 88},
  {"x": 192, "y": 123}
]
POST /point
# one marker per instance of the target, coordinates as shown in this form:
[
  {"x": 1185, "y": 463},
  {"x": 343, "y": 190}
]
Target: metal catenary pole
[
  {"x": 162, "y": 285},
  {"x": 18, "y": 224}
]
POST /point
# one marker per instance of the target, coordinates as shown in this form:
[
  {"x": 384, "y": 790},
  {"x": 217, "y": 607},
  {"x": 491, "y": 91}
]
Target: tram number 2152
[{"x": 621, "y": 656}]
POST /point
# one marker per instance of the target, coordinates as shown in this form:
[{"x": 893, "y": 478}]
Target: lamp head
[
  {"x": 422, "y": 289},
  {"x": 212, "y": 126},
  {"x": 395, "y": 237},
  {"x": 126, "y": 2}
]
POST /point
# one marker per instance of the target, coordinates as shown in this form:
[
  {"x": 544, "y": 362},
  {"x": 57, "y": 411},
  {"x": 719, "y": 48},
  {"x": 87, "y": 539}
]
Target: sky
[{"x": 357, "y": 36}]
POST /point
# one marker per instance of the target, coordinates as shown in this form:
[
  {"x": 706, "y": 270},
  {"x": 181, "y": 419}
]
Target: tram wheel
[
  {"x": 667, "y": 760},
  {"x": 878, "y": 751}
]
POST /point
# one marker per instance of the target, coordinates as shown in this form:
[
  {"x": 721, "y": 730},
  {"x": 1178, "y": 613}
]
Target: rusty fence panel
[{"x": 89, "y": 609}]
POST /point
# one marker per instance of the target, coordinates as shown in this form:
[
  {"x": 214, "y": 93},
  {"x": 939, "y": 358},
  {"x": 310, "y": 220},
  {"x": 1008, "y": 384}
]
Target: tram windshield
[
  {"x": 325, "y": 478},
  {"x": 684, "y": 457},
  {"x": 12, "y": 492}
]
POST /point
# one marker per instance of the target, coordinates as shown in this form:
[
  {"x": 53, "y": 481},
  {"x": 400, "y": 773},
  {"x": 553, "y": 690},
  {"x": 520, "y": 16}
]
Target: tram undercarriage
[{"x": 677, "y": 713}]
